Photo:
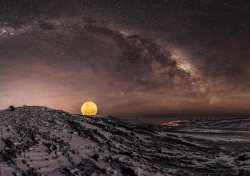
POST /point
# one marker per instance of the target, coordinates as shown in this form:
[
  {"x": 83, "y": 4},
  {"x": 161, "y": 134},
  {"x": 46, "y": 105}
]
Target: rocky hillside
[{"x": 43, "y": 141}]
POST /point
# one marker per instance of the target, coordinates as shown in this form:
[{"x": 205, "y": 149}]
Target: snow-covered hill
[
  {"x": 39, "y": 140},
  {"x": 226, "y": 124},
  {"x": 236, "y": 124}
]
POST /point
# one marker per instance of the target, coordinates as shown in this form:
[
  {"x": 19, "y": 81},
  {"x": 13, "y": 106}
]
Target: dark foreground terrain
[{"x": 42, "y": 141}]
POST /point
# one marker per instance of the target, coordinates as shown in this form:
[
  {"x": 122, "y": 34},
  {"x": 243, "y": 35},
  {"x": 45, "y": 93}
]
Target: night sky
[{"x": 148, "y": 59}]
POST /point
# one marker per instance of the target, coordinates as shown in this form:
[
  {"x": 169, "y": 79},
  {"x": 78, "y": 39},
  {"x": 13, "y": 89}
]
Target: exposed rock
[{"x": 39, "y": 140}]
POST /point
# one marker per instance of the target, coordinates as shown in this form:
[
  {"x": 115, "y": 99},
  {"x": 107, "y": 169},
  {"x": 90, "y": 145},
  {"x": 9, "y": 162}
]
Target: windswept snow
[{"x": 43, "y": 141}]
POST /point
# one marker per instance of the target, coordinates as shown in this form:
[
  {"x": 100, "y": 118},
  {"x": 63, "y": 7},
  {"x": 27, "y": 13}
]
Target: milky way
[{"x": 134, "y": 59}]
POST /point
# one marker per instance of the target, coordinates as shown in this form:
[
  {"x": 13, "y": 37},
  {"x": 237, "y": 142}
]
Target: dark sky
[{"x": 136, "y": 59}]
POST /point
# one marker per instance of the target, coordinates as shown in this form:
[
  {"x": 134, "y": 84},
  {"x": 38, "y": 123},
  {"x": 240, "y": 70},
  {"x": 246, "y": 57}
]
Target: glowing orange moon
[{"x": 89, "y": 108}]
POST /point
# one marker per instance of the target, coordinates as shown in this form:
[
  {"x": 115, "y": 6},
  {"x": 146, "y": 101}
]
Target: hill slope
[{"x": 39, "y": 140}]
